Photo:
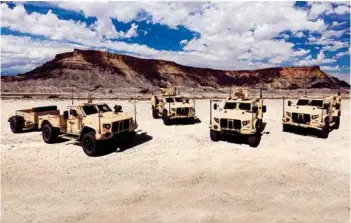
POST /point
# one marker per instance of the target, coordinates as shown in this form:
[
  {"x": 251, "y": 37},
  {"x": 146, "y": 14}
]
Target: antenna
[{"x": 72, "y": 93}]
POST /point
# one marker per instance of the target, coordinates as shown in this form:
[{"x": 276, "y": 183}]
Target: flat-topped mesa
[{"x": 90, "y": 67}]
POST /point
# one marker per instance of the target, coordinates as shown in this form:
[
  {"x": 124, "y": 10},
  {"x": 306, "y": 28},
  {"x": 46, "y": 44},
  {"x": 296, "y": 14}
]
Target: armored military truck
[
  {"x": 321, "y": 114},
  {"x": 170, "y": 105},
  {"x": 90, "y": 123},
  {"x": 239, "y": 115},
  {"x": 28, "y": 118}
]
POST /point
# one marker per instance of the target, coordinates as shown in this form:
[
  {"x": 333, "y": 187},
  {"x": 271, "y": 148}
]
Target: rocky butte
[{"x": 91, "y": 67}]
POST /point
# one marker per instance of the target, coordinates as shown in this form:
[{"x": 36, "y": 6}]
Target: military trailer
[
  {"x": 240, "y": 115},
  {"x": 90, "y": 123},
  {"x": 29, "y": 118},
  {"x": 170, "y": 105},
  {"x": 321, "y": 114}
]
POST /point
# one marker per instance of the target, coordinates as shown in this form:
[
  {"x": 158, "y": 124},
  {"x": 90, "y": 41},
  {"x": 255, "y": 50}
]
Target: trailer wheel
[
  {"x": 214, "y": 135},
  {"x": 15, "y": 126},
  {"x": 337, "y": 123},
  {"x": 49, "y": 133},
  {"x": 254, "y": 140},
  {"x": 165, "y": 118},
  {"x": 89, "y": 144}
]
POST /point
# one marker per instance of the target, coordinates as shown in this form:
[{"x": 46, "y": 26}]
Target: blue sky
[{"x": 220, "y": 35}]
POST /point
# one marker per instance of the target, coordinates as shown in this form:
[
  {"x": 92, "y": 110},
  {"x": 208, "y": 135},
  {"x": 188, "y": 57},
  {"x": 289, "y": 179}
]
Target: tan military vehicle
[
  {"x": 320, "y": 114},
  {"x": 90, "y": 123},
  {"x": 29, "y": 118},
  {"x": 171, "y": 106},
  {"x": 239, "y": 115}
]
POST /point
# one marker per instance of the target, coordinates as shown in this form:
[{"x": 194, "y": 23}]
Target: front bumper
[
  {"x": 312, "y": 125},
  {"x": 242, "y": 131},
  {"x": 109, "y": 135}
]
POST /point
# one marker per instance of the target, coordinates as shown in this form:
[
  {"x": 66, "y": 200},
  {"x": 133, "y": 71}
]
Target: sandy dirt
[{"x": 176, "y": 174}]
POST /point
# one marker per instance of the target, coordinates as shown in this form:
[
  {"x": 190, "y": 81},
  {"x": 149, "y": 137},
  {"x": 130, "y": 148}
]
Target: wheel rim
[
  {"x": 46, "y": 132},
  {"x": 88, "y": 144}
]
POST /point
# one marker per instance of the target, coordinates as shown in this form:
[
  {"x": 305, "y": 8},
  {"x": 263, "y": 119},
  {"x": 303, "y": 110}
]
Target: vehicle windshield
[
  {"x": 306, "y": 102},
  {"x": 178, "y": 99},
  {"x": 230, "y": 105},
  {"x": 302, "y": 102},
  {"x": 318, "y": 103},
  {"x": 245, "y": 106},
  {"x": 169, "y": 100},
  {"x": 90, "y": 109},
  {"x": 104, "y": 108}
]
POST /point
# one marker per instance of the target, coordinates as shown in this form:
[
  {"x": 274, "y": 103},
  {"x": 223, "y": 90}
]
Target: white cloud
[
  {"x": 330, "y": 68},
  {"x": 341, "y": 54},
  {"x": 299, "y": 34},
  {"x": 232, "y": 35},
  {"x": 342, "y": 9}
]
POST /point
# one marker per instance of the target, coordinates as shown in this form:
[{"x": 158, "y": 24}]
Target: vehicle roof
[{"x": 242, "y": 100}]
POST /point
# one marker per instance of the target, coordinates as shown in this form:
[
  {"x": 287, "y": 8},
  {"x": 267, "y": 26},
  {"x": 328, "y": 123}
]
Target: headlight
[
  {"x": 288, "y": 114},
  {"x": 106, "y": 126},
  {"x": 216, "y": 120},
  {"x": 315, "y": 116},
  {"x": 246, "y": 122}
]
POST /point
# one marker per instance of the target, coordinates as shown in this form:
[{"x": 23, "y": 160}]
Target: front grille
[
  {"x": 301, "y": 118},
  {"x": 182, "y": 111},
  {"x": 120, "y": 126},
  {"x": 230, "y": 124}
]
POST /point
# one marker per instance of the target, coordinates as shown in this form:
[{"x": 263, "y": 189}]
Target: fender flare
[{"x": 85, "y": 129}]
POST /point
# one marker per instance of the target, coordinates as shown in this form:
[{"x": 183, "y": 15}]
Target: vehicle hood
[
  {"x": 233, "y": 114},
  {"x": 107, "y": 117},
  {"x": 304, "y": 109}
]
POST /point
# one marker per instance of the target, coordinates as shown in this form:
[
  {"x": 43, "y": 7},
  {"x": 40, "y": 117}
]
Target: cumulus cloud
[{"x": 232, "y": 35}]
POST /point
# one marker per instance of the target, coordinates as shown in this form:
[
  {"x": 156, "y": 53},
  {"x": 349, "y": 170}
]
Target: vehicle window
[
  {"x": 90, "y": 109},
  {"x": 302, "y": 102},
  {"x": 318, "y": 103},
  {"x": 178, "y": 99},
  {"x": 169, "y": 100},
  {"x": 104, "y": 108},
  {"x": 230, "y": 105},
  {"x": 245, "y": 106}
]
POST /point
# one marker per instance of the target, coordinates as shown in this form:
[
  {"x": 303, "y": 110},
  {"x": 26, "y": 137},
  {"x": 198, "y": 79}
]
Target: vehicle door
[{"x": 74, "y": 122}]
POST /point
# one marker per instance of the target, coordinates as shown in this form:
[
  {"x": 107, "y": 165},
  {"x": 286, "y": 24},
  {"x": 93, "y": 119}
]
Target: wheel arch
[
  {"x": 43, "y": 123},
  {"x": 85, "y": 130},
  {"x": 18, "y": 118}
]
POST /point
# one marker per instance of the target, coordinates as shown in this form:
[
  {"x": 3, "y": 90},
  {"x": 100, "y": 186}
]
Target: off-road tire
[
  {"x": 254, "y": 140},
  {"x": 214, "y": 135},
  {"x": 286, "y": 128},
  {"x": 259, "y": 125},
  {"x": 15, "y": 126},
  {"x": 127, "y": 140},
  {"x": 165, "y": 118},
  {"x": 324, "y": 132},
  {"x": 89, "y": 144},
  {"x": 337, "y": 123},
  {"x": 154, "y": 113},
  {"x": 50, "y": 134}
]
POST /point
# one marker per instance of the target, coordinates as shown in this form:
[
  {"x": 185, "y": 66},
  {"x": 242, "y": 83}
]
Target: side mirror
[
  {"x": 73, "y": 113},
  {"x": 337, "y": 106},
  {"x": 118, "y": 108},
  {"x": 254, "y": 109},
  {"x": 264, "y": 109},
  {"x": 65, "y": 115},
  {"x": 325, "y": 106},
  {"x": 187, "y": 100},
  {"x": 289, "y": 103},
  {"x": 215, "y": 106}
]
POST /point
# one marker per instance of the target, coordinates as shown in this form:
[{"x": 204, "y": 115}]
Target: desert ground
[{"x": 177, "y": 174}]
